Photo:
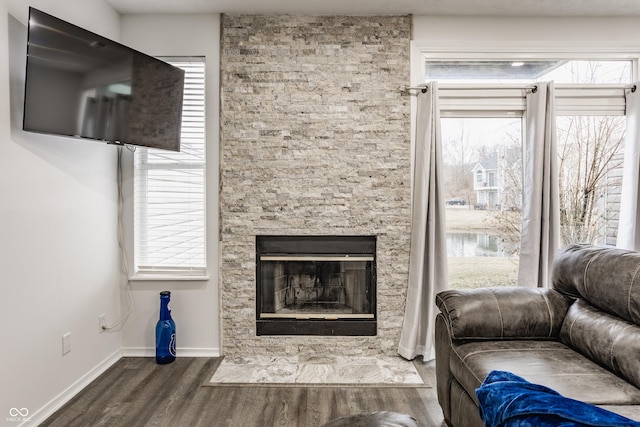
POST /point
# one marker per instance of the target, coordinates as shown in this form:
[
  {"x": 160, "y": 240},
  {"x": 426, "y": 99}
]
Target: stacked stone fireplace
[{"x": 315, "y": 143}]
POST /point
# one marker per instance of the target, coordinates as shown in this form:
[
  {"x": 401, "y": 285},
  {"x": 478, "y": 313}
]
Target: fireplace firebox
[{"x": 316, "y": 285}]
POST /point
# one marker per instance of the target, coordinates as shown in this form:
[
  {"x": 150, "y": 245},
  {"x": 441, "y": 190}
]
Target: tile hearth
[{"x": 317, "y": 370}]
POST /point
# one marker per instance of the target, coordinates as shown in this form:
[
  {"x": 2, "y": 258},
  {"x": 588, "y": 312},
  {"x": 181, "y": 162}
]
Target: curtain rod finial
[{"x": 423, "y": 89}]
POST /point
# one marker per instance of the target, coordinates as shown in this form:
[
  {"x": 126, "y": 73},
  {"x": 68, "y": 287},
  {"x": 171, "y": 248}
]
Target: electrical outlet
[
  {"x": 102, "y": 323},
  {"x": 66, "y": 343}
]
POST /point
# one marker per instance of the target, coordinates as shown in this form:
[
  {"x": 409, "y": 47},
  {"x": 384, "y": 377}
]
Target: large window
[
  {"x": 483, "y": 108},
  {"x": 483, "y": 215},
  {"x": 169, "y": 193}
]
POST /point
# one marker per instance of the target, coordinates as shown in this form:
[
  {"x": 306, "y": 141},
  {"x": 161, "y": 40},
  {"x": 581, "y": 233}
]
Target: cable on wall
[{"x": 123, "y": 250}]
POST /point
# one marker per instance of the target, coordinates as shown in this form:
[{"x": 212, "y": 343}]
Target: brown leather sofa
[{"x": 580, "y": 338}]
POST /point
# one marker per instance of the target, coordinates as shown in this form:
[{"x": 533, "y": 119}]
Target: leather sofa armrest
[{"x": 503, "y": 313}]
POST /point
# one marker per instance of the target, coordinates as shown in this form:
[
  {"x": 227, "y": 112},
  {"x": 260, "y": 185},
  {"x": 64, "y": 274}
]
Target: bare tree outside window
[
  {"x": 458, "y": 156},
  {"x": 506, "y": 222},
  {"x": 590, "y": 155},
  {"x": 590, "y": 166}
]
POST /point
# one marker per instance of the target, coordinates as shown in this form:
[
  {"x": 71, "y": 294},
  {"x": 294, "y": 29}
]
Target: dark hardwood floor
[{"x": 139, "y": 392}]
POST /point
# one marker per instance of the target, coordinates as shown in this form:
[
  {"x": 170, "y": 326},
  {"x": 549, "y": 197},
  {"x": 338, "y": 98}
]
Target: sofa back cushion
[
  {"x": 607, "y": 278},
  {"x": 604, "y": 338}
]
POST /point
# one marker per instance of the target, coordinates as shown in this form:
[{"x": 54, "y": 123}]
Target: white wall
[
  {"x": 591, "y": 33},
  {"x": 586, "y": 36},
  {"x": 59, "y": 264},
  {"x": 194, "y": 305}
]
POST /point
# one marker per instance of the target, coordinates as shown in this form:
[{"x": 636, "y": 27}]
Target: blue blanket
[{"x": 506, "y": 400}]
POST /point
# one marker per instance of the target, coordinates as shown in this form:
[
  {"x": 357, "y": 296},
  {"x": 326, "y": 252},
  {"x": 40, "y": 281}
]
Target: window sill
[{"x": 167, "y": 278}]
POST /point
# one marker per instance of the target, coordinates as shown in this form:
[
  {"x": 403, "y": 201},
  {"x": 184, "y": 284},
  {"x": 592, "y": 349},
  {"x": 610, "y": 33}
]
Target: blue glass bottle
[{"x": 165, "y": 332}]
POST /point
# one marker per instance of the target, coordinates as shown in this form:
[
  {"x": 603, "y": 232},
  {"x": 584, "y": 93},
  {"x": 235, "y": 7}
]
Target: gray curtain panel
[
  {"x": 540, "y": 211},
  {"x": 428, "y": 257},
  {"x": 629, "y": 223}
]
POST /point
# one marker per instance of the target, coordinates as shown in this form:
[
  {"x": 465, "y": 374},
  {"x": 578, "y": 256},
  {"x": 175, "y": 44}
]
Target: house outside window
[
  {"x": 169, "y": 193},
  {"x": 482, "y": 110}
]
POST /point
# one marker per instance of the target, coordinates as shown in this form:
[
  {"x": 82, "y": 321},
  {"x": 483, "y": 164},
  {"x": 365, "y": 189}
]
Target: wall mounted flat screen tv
[{"x": 83, "y": 85}]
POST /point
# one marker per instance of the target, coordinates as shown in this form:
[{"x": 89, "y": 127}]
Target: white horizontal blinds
[
  {"x": 596, "y": 100},
  {"x": 571, "y": 99},
  {"x": 169, "y": 191},
  {"x": 467, "y": 98}
]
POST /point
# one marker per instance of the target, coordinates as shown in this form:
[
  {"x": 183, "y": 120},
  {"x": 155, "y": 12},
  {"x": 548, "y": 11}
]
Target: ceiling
[{"x": 386, "y": 7}]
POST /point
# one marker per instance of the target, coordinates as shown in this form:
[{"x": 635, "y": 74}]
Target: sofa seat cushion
[
  {"x": 629, "y": 411},
  {"x": 549, "y": 363},
  {"x": 509, "y": 400}
]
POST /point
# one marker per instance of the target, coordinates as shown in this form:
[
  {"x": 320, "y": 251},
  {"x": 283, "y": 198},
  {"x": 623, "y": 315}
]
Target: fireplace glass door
[
  {"x": 310, "y": 287},
  {"x": 323, "y": 287}
]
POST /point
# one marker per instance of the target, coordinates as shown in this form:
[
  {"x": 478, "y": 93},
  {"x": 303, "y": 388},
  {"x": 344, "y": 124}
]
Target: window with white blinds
[{"x": 169, "y": 192}]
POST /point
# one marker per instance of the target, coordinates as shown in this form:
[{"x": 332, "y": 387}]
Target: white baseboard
[
  {"x": 181, "y": 352},
  {"x": 46, "y": 411}
]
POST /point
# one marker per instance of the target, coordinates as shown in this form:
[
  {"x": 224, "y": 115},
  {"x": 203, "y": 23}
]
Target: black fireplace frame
[{"x": 322, "y": 246}]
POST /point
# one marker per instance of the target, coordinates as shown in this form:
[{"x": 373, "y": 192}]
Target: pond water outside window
[{"x": 465, "y": 244}]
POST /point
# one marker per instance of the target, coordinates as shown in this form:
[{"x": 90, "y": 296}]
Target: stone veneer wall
[{"x": 315, "y": 140}]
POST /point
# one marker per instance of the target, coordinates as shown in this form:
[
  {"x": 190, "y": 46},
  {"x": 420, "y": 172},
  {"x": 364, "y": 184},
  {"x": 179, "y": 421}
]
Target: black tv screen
[{"x": 83, "y": 85}]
